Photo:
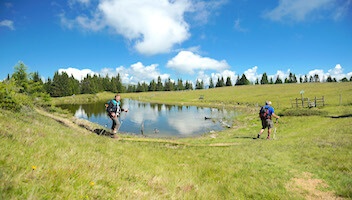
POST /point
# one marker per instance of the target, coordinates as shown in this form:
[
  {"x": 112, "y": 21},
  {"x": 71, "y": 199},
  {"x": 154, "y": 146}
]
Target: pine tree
[
  {"x": 278, "y": 80},
  {"x": 344, "y": 79},
  {"x": 199, "y": 84},
  {"x": 228, "y": 81},
  {"x": 264, "y": 79},
  {"x": 168, "y": 85},
  {"x": 243, "y": 80},
  {"x": 329, "y": 79},
  {"x": 180, "y": 85},
  {"x": 211, "y": 84},
  {"x": 159, "y": 85},
  {"x": 189, "y": 85},
  {"x": 21, "y": 77},
  {"x": 316, "y": 78},
  {"x": 221, "y": 82},
  {"x": 152, "y": 86}
]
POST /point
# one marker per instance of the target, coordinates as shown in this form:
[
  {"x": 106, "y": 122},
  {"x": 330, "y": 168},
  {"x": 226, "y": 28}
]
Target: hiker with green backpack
[
  {"x": 266, "y": 113},
  {"x": 114, "y": 110}
]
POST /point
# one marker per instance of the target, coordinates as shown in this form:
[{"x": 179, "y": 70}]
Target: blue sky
[{"x": 188, "y": 39}]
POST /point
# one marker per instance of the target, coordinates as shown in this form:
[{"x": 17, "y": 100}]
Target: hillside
[{"x": 51, "y": 155}]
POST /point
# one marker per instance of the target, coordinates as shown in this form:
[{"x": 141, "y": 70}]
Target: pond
[{"x": 157, "y": 120}]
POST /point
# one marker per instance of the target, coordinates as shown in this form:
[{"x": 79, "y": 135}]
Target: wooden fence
[{"x": 308, "y": 103}]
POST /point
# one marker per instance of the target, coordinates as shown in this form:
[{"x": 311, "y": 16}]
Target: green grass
[
  {"x": 42, "y": 158},
  {"x": 281, "y": 95}
]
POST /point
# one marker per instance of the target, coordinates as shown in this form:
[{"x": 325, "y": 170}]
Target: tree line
[{"x": 64, "y": 85}]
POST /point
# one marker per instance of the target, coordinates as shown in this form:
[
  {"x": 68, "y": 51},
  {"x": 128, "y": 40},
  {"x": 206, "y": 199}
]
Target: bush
[{"x": 10, "y": 99}]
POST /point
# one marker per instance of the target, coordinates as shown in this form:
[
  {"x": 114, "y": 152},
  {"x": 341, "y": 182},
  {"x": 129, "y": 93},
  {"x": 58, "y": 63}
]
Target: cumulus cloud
[
  {"x": 133, "y": 74},
  {"x": 78, "y": 74},
  {"x": 138, "y": 72},
  {"x": 155, "y": 26},
  {"x": 298, "y": 10},
  {"x": 336, "y": 72},
  {"x": 8, "y": 24},
  {"x": 151, "y": 26},
  {"x": 223, "y": 74},
  {"x": 251, "y": 74},
  {"x": 188, "y": 62},
  {"x": 143, "y": 73}
]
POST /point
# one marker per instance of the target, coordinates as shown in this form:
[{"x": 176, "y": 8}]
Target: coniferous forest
[{"x": 63, "y": 84}]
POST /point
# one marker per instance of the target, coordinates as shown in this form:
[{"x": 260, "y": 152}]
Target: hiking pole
[
  {"x": 277, "y": 122},
  {"x": 121, "y": 121}
]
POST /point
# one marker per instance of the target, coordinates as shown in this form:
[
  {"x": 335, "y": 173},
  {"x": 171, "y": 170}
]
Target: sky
[{"x": 177, "y": 39}]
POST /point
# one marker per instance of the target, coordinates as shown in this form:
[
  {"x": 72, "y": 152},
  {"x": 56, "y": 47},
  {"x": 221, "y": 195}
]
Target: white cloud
[
  {"x": 251, "y": 74},
  {"x": 8, "y": 24},
  {"x": 132, "y": 75},
  {"x": 188, "y": 62},
  {"x": 143, "y": 73},
  {"x": 137, "y": 72},
  {"x": 279, "y": 73},
  {"x": 77, "y": 73},
  {"x": 342, "y": 9},
  {"x": 155, "y": 26},
  {"x": 224, "y": 74},
  {"x": 203, "y": 9},
  {"x": 71, "y": 3},
  {"x": 319, "y": 72},
  {"x": 238, "y": 26},
  {"x": 337, "y": 72},
  {"x": 85, "y": 22},
  {"x": 151, "y": 26},
  {"x": 298, "y": 10}
]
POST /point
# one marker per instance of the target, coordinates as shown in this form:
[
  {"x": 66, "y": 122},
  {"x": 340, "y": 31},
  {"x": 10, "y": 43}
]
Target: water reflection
[{"x": 157, "y": 120}]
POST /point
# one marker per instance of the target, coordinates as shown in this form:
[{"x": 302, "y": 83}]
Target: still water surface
[{"x": 157, "y": 120}]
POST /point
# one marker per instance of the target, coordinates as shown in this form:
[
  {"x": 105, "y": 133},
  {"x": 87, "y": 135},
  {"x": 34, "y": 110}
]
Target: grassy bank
[{"x": 51, "y": 158}]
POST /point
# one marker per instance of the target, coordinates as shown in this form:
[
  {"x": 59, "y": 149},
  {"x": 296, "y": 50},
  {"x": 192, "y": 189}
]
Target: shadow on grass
[
  {"x": 244, "y": 137},
  {"x": 103, "y": 132},
  {"x": 341, "y": 116}
]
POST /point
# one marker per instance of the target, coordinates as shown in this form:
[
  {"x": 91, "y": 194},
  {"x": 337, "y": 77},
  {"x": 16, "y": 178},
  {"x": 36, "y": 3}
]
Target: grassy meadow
[{"x": 49, "y": 155}]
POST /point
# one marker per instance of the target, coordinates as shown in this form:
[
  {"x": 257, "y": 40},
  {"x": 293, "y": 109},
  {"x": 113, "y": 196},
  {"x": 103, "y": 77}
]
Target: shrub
[{"x": 10, "y": 99}]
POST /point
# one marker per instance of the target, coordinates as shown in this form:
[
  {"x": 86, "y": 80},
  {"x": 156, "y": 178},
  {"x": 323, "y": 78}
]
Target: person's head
[
  {"x": 117, "y": 97},
  {"x": 268, "y": 103}
]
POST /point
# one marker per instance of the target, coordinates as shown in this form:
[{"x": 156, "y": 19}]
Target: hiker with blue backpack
[
  {"x": 113, "y": 108},
  {"x": 266, "y": 113}
]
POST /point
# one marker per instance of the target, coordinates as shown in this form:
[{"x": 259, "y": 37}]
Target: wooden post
[{"x": 315, "y": 101}]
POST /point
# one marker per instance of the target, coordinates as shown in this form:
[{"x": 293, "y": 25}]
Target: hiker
[
  {"x": 114, "y": 110},
  {"x": 266, "y": 113}
]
